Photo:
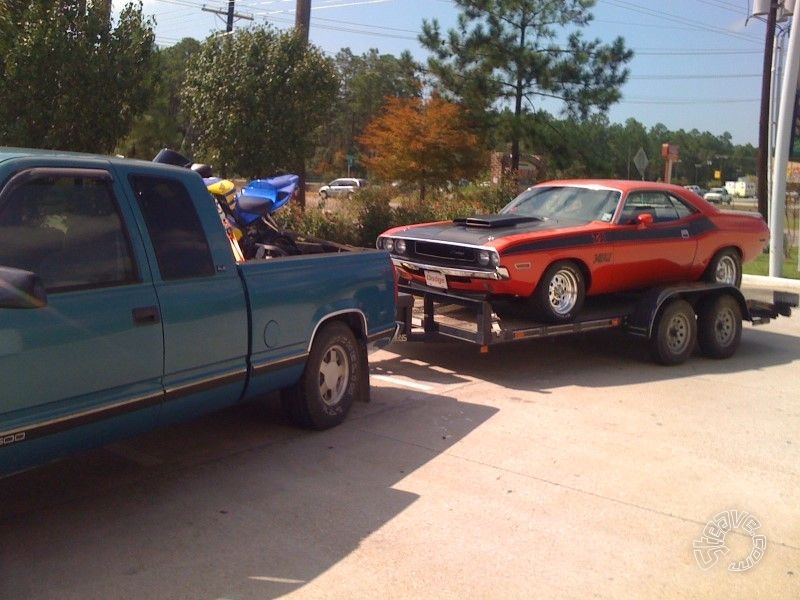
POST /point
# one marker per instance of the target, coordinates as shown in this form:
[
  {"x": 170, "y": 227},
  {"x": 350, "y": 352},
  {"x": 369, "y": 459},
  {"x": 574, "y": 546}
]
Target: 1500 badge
[{"x": 12, "y": 438}]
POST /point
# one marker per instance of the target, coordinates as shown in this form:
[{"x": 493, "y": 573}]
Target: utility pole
[
  {"x": 762, "y": 168},
  {"x": 229, "y": 14},
  {"x": 302, "y": 24},
  {"x": 302, "y": 18}
]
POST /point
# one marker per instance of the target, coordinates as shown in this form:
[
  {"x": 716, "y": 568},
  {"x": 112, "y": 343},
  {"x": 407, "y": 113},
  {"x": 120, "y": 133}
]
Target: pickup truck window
[
  {"x": 176, "y": 232},
  {"x": 67, "y": 229}
]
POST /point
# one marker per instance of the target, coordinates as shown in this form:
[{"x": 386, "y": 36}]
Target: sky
[{"x": 697, "y": 63}]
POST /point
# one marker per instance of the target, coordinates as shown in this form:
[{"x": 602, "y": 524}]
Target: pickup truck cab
[{"x": 123, "y": 308}]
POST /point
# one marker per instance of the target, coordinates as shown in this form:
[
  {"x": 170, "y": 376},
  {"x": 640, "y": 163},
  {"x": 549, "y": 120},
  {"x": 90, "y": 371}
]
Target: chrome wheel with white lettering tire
[{"x": 725, "y": 267}]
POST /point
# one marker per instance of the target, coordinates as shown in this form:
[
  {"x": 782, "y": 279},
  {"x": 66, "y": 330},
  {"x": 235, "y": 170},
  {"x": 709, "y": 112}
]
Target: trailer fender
[{"x": 643, "y": 318}]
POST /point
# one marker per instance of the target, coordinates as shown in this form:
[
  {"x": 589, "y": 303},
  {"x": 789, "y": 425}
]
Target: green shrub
[{"x": 375, "y": 209}]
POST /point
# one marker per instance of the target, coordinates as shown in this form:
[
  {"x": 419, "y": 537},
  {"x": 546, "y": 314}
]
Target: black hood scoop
[{"x": 492, "y": 221}]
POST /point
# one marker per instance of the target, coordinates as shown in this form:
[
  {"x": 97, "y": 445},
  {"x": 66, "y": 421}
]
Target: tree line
[{"x": 261, "y": 101}]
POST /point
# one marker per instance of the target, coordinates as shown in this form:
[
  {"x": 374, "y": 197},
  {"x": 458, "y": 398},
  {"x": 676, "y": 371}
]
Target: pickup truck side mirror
[{"x": 21, "y": 289}]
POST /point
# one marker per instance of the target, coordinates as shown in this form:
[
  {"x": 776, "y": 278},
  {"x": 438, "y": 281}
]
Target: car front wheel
[{"x": 560, "y": 293}]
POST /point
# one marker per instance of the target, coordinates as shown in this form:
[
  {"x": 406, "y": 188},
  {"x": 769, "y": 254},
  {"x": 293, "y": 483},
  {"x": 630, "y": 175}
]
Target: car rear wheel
[
  {"x": 725, "y": 267},
  {"x": 560, "y": 294}
]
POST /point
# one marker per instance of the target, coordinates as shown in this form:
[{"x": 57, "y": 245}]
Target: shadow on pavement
[
  {"x": 599, "y": 359},
  {"x": 237, "y": 504}
]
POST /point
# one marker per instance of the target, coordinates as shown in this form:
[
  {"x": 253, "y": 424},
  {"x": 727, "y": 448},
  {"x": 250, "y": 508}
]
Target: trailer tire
[
  {"x": 719, "y": 327},
  {"x": 725, "y": 267},
  {"x": 331, "y": 380},
  {"x": 561, "y": 292},
  {"x": 674, "y": 333}
]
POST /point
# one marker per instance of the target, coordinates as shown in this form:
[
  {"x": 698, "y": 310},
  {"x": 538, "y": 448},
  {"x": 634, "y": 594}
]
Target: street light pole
[{"x": 782, "y": 142}]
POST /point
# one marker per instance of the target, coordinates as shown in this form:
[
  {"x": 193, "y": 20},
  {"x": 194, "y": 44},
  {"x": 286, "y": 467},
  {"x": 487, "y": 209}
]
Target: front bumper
[{"x": 495, "y": 274}]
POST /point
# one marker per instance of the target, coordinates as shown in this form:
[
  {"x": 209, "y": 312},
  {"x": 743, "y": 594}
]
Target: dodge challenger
[{"x": 561, "y": 241}]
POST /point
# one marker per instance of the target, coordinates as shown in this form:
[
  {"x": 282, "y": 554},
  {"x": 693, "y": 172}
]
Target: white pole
[{"x": 782, "y": 141}]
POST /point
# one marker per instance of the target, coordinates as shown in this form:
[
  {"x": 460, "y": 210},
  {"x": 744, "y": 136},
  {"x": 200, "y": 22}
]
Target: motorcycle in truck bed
[{"x": 673, "y": 318}]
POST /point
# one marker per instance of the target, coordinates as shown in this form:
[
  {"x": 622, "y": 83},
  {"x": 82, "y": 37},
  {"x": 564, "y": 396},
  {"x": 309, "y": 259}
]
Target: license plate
[{"x": 435, "y": 279}]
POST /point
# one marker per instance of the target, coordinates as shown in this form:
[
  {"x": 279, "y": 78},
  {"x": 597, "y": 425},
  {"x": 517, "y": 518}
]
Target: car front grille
[{"x": 445, "y": 253}]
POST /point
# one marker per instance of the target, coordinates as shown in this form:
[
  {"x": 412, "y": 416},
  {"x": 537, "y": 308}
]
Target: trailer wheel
[
  {"x": 330, "y": 381},
  {"x": 560, "y": 293},
  {"x": 725, "y": 267},
  {"x": 674, "y": 334},
  {"x": 719, "y": 327}
]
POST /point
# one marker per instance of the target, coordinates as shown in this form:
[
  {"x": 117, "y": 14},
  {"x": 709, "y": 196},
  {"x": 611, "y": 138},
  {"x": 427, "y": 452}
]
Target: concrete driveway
[{"x": 568, "y": 468}]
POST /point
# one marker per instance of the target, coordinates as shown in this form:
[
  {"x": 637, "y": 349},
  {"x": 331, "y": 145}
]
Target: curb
[{"x": 773, "y": 283}]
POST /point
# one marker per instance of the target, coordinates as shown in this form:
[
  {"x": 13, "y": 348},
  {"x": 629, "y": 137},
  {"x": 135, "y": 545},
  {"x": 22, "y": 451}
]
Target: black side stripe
[{"x": 694, "y": 228}]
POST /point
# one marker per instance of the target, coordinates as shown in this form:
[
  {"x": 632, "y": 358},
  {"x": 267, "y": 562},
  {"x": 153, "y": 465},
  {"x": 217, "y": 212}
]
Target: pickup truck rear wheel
[
  {"x": 330, "y": 381},
  {"x": 674, "y": 333}
]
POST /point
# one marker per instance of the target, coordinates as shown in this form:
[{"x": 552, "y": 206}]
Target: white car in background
[
  {"x": 342, "y": 187},
  {"x": 718, "y": 195}
]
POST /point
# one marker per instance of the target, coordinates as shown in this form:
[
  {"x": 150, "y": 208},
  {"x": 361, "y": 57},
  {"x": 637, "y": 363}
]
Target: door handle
[{"x": 146, "y": 315}]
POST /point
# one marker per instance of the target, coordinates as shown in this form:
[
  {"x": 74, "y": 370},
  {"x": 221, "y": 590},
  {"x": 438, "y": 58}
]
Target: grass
[{"x": 760, "y": 266}]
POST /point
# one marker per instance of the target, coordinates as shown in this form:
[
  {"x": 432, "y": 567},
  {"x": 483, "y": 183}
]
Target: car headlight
[
  {"x": 488, "y": 258},
  {"x": 400, "y": 246}
]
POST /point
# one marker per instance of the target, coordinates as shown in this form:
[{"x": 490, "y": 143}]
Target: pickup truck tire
[
  {"x": 674, "y": 333},
  {"x": 719, "y": 327},
  {"x": 331, "y": 380},
  {"x": 560, "y": 293}
]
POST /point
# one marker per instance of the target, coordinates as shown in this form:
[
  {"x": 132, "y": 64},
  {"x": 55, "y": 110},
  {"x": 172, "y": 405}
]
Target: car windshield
[{"x": 565, "y": 202}]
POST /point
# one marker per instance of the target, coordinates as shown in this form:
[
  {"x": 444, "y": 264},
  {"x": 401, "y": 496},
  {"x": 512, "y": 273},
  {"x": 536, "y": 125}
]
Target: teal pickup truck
[{"x": 123, "y": 308}]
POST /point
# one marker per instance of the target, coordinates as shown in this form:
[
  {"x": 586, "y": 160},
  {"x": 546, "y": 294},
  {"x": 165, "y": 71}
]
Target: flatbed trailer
[{"x": 673, "y": 318}]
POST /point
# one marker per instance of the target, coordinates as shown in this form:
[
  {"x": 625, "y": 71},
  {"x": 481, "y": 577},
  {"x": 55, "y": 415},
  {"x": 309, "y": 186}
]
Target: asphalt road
[{"x": 568, "y": 468}]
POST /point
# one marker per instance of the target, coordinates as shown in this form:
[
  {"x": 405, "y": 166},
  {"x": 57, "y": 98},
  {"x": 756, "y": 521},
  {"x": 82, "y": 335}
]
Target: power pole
[
  {"x": 764, "y": 149},
  {"x": 229, "y": 14},
  {"x": 302, "y": 24},
  {"x": 302, "y": 18}
]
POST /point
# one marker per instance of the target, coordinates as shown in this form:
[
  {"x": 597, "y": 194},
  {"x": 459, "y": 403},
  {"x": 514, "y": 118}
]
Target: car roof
[{"x": 623, "y": 185}]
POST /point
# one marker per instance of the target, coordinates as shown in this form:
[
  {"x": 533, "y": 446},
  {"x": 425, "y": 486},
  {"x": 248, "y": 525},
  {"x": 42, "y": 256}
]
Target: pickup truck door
[
  {"x": 96, "y": 349},
  {"x": 200, "y": 295}
]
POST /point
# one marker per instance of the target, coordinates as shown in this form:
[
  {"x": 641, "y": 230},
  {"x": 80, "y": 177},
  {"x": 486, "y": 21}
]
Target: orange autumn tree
[{"x": 423, "y": 141}]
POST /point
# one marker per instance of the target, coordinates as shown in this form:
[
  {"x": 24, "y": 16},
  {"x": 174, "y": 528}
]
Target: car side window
[
  {"x": 664, "y": 207},
  {"x": 65, "y": 227},
  {"x": 178, "y": 238}
]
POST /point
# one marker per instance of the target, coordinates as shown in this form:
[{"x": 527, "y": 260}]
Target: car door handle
[{"x": 146, "y": 315}]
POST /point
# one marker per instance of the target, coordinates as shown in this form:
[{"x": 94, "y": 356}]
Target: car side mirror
[
  {"x": 21, "y": 289},
  {"x": 644, "y": 219}
]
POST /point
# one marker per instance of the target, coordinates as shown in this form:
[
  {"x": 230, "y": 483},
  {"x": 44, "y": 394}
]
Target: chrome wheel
[
  {"x": 727, "y": 270},
  {"x": 563, "y": 291}
]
